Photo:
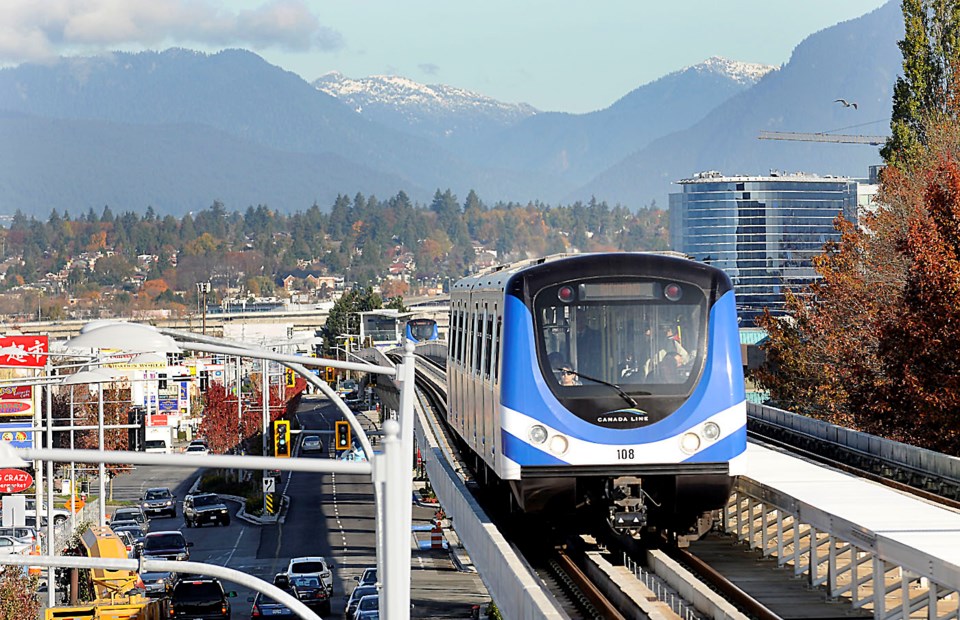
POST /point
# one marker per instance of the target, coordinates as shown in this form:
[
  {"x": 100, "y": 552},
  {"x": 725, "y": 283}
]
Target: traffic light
[
  {"x": 162, "y": 381},
  {"x": 204, "y": 377},
  {"x": 331, "y": 374},
  {"x": 281, "y": 438},
  {"x": 291, "y": 378},
  {"x": 342, "y": 428}
]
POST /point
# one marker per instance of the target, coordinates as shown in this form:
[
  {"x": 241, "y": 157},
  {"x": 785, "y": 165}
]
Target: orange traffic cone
[{"x": 34, "y": 570}]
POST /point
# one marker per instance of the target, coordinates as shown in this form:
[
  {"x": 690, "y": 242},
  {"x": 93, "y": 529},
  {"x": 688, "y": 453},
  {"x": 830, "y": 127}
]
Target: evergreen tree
[{"x": 931, "y": 53}]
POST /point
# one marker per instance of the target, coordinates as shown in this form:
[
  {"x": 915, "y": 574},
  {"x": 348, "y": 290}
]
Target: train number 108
[{"x": 625, "y": 454}]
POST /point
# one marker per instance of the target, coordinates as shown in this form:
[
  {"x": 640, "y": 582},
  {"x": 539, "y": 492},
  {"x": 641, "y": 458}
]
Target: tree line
[{"x": 357, "y": 238}]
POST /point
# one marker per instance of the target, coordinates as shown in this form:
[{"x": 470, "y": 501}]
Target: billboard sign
[
  {"x": 14, "y": 480},
  {"x": 16, "y": 392},
  {"x": 24, "y": 351},
  {"x": 18, "y": 434},
  {"x": 158, "y": 419}
]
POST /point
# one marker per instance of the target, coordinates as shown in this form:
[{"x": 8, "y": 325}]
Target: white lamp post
[
  {"x": 99, "y": 378},
  {"x": 392, "y": 483}
]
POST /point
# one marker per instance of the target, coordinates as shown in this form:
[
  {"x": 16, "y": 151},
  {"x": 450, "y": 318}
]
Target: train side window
[
  {"x": 464, "y": 322},
  {"x": 482, "y": 355},
  {"x": 496, "y": 351},
  {"x": 477, "y": 342},
  {"x": 457, "y": 334},
  {"x": 488, "y": 346}
]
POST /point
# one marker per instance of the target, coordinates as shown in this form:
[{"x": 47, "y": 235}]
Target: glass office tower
[{"x": 762, "y": 231}]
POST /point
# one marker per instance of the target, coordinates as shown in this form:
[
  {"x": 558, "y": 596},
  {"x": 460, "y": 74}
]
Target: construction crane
[{"x": 822, "y": 137}]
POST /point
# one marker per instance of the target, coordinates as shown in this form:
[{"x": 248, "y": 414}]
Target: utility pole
[{"x": 202, "y": 289}]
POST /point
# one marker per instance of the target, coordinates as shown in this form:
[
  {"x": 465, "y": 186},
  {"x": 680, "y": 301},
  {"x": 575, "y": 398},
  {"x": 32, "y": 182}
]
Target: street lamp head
[
  {"x": 129, "y": 337},
  {"x": 87, "y": 376},
  {"x": 9, "y": 456}
]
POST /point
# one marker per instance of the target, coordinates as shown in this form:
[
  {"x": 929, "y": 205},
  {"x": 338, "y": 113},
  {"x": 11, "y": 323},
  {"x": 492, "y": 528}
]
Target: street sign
[
  {"x": 269, "y": 485},
  {"x": 14, "y": 480}
]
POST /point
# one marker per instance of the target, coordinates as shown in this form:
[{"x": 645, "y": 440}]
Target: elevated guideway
[
  {"x": 883, "y": 550},
  {"x": 879, "y": 550}
]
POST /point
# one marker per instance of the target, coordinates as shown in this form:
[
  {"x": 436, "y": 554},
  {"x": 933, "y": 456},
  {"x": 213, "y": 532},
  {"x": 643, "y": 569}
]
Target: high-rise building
[{"x": 763, "y": 231}]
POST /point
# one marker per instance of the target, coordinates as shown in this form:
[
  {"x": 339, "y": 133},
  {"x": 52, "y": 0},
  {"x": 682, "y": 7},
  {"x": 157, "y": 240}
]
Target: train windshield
[
  {"x": 644, "y": 336},
  {"x": 422, "y": 329}
]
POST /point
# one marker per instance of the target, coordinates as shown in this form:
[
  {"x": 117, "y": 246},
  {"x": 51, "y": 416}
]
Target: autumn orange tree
[
  {"x": 226, "y": 431},
  {"x": 18, "y": 594},
  {"x": 872, "y": 344}
]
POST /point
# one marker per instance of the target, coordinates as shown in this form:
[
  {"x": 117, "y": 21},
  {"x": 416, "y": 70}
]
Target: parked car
[
  {"x": 131, "y": 513},
  {"x": 21, "y": 533},
  {"x": 30, "y": 512},
  {"x": 196, "y": 449},
  {"x": 159, "y": 501},
  {"x": 312, "y": 593},
  {"x": 205, "y": 508},
  {"x": 316, "y": 566},
  {"x": 311, "y": 443},
  {"x": 157, "y": 584},
  {"x": 368, "y": 608},
  {"x": 359, "y": 592},
  {"x": 11, "y": 546},
  {"x": 169, "y": 545},
  {"x": 200, "y": 598}
]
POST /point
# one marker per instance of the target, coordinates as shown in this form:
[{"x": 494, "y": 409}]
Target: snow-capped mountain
[
  {"x": 433, "y": 110},
  {"x": 746, "y": 73}
]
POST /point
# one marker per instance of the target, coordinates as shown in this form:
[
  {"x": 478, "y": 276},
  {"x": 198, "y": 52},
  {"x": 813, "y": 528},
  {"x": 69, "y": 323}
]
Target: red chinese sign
[
  {"x": 16, "y": 392},
  {"x": 14, "y": 480},
  {"x": 23, "y": 351}
]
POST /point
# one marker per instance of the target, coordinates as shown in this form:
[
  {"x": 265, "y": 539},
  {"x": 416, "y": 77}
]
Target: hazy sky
[{"x": 562, "y": 55}]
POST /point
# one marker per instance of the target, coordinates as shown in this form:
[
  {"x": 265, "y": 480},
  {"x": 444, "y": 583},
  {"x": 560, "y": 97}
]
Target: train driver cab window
[{"x": 623, "y": 333}]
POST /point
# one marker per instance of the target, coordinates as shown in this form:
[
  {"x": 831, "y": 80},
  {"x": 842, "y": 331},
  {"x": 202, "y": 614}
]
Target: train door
[
  {"x": 495, "y": 422},
  {"x": 483, "y": 383}
]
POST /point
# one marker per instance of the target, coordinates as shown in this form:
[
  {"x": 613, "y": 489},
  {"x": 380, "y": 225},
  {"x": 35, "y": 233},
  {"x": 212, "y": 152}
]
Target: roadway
[{"x": 329, "y": 515}]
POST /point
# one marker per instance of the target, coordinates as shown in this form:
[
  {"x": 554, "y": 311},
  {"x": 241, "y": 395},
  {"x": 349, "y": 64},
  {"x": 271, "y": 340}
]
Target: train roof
[{"x": 499, "y": 274}]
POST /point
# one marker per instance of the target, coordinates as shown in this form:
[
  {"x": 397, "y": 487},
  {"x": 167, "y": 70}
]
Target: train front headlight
[
  {"x": 711, "y": 431},
  {"x": 559, "y": 444},
  {"x": 538, "y": 434},
  {"x": 690, "y": 443}
]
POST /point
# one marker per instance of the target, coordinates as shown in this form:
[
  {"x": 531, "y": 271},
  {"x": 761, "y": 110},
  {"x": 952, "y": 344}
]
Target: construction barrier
[{"x": 436, "y": 536}]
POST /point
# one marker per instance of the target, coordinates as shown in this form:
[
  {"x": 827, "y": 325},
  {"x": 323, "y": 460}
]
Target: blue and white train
[
  {"x": 607, "y": 380},
  {"x": 421, "y": 330}
]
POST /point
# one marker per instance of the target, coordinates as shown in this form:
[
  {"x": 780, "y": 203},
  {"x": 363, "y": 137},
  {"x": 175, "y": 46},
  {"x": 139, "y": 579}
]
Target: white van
[{"x": 156, "y": 446}]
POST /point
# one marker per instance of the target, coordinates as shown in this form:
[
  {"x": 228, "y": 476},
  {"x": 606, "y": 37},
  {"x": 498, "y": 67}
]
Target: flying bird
[{"x": 846, "y": 103}]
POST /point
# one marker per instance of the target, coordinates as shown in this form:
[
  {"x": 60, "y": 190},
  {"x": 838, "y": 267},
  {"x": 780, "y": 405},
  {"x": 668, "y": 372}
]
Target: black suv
[
  {"x": 200, "y": 598},
  {"x": 159, "y": 501},
  {"x": 205, "y": 508},
  {"x": 169, "y": 545}
]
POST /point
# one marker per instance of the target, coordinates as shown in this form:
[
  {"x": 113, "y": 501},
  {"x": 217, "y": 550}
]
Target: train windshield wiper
[{"x": 619, "y": 389}]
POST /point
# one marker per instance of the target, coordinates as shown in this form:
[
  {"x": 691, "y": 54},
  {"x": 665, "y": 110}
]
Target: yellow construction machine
[{"x": 118, "y": 596}]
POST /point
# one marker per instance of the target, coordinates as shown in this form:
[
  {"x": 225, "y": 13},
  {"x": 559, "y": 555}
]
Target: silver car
[
  {"x": 21, "y": 533},
  {"x": 159, "y": 583},
  {"x": 11, "y": 546}
]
